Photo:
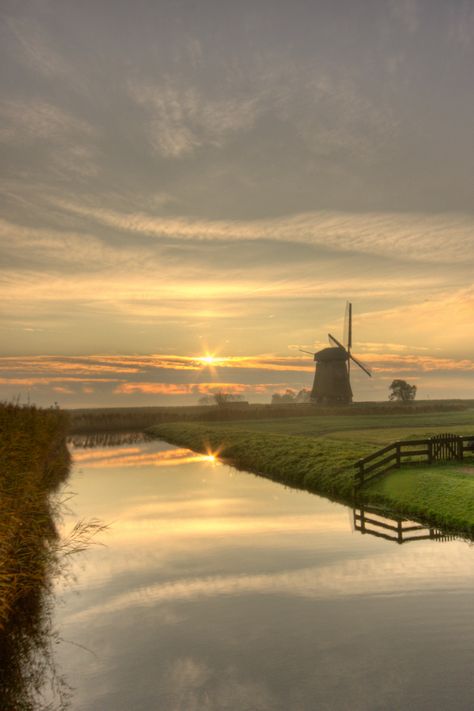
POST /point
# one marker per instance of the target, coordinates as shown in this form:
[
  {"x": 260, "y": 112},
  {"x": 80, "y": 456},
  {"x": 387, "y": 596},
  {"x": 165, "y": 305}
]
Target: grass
[
  {"x": 380, "y": 428},
  {"x": 317, "y": 464},
  {"x": 443, "y": 494},
  {"x": 318, "y": 453},
  {"x": 34, "y": 461}
]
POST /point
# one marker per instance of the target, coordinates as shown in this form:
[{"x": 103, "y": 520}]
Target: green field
[
  {"x": 379, "y": 429},
  {"x": 318, "y": 453}
]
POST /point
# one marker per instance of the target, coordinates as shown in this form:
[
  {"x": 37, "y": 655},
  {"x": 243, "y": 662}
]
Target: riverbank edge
[
  {"x": 326, "y": 467},
  {"x": 34, "y": 462}
]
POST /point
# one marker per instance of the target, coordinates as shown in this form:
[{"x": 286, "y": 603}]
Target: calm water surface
[{"x": 221, "y": 591}]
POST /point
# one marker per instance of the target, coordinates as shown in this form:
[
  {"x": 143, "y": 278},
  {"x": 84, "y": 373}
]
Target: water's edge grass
[
  {"x": 34, "y": 462},
  {"x": 441, "y": 496}
]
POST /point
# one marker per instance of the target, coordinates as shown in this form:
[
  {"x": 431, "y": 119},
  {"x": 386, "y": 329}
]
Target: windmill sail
[
  {"x": 365, "y": 368},
  {"x": 347, "y": 337}
]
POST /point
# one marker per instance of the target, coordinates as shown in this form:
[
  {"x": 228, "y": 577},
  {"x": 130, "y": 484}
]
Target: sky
[{"x": 182, "y": 180}]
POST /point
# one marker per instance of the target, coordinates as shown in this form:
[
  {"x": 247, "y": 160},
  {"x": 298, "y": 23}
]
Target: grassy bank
[
  {"x": 312, "y": 454},
  {"x": 317, "y": 464},
  {"x": 34, "y": 461},
  {"x": 443, "y": 494}
]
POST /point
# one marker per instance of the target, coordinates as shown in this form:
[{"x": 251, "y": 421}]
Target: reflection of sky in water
[{"x": 221, "y": 590}]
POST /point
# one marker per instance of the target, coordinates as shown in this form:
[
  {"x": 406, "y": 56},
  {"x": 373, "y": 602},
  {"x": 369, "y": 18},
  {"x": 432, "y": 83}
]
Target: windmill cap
[{"x": 335, "y": 353}]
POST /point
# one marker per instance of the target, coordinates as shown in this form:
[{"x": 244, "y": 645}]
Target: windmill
[{"x": 332, "y": 383}]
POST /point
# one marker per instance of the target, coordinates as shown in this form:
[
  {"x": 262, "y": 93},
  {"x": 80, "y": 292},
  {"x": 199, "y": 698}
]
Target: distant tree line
[{"x": 290, "y": 395}]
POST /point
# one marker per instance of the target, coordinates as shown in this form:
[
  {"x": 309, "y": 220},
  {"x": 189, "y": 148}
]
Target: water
[{"x": 221, "y": 591}]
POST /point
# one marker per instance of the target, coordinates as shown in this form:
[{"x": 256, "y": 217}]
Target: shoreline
[{"x": 440, "y": 495}]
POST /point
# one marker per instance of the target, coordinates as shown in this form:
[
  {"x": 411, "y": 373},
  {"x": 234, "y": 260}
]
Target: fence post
[
  {"x": 362, "y": 520},
  {"x": 397, "y": 448},
  {"x": 361, "y": 473},
  {"x": 460, "y": 448},
  {"x": 430, "y": 451}
]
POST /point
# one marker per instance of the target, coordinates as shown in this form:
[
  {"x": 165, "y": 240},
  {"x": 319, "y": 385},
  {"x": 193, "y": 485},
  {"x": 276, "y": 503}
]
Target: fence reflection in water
[{"x": 392, "y": 527}]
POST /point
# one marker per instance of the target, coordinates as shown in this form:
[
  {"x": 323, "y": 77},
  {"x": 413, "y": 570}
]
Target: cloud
[
  {"x": 37, "y": 120},
  {"x": 35, "y": 49},
  {"x": 443, "y": 321},
  {"x": 461, "y": 25},
  {"x": 181, "y": 120},
  {"x": 78, "y": 365},
  {"x": 169, "y": 374},
  {"x": 416, "y": 363},
  {"x": 348, "y": 578},
  {"x": 183, "y": 388},
  {"x": 407, "y": 14},
  {"x": 50, "y": 380},
  {"x": 62, "y": 390},
  {"x": 437, "y": 238}
]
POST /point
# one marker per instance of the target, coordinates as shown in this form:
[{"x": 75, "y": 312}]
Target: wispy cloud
[
  {"x": 35, "y": 120},
  {"x": 31, "y": 381},
  {"x": 428, "y": 238},
  {"x": 181, "y": 120},
  {"x": 182, "y": 388},
  {"x": 34, "y": 48},
  {"x": 407, "y": 13}
]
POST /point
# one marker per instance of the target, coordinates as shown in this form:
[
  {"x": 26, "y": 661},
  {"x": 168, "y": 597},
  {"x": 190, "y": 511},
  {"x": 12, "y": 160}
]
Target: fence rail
[{"x": 443, "y": 447}]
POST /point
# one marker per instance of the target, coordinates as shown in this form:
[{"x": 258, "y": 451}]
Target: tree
[
  {"x": 220, "y": 398},
  {"x": 401, "y": 391},
  {"x": 288, "y": 396},
  {"x": 304, "y": 395}
]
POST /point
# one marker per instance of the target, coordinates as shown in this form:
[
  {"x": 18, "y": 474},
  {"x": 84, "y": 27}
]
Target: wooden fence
[{"x": 443, "y": 447}]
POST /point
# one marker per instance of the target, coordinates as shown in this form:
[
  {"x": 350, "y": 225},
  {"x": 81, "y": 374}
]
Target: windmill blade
[
  {"x": 334, "y": 342},
  {"x": 365, "y": 368},
  {"x": 347, "y": 335},
  {"x": 308, "y": 352}
]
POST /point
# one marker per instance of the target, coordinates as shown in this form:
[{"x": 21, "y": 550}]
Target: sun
[{"x": 208, "y": 359}]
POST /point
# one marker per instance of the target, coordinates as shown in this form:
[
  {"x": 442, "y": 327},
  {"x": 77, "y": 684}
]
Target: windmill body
[{"x": 331, "y": 383}]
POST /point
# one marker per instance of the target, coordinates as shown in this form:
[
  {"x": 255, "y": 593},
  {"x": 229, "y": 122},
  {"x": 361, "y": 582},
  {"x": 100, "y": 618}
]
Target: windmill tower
[{"x": 332, "y": 385}]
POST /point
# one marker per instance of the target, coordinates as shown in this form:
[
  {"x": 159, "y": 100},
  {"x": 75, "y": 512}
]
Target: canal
[{"x": 217, "y": 590}]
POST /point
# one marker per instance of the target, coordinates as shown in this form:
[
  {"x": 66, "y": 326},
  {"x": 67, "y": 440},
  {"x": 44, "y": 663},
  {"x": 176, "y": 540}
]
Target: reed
[{"x": 34, "y": 462}]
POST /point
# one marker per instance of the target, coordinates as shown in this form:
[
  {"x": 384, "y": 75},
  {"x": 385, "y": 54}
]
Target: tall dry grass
[{"x": 34, "y": 460}]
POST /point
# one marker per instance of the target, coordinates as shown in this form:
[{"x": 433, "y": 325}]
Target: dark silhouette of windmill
[{"x": 332, "y": 384}]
